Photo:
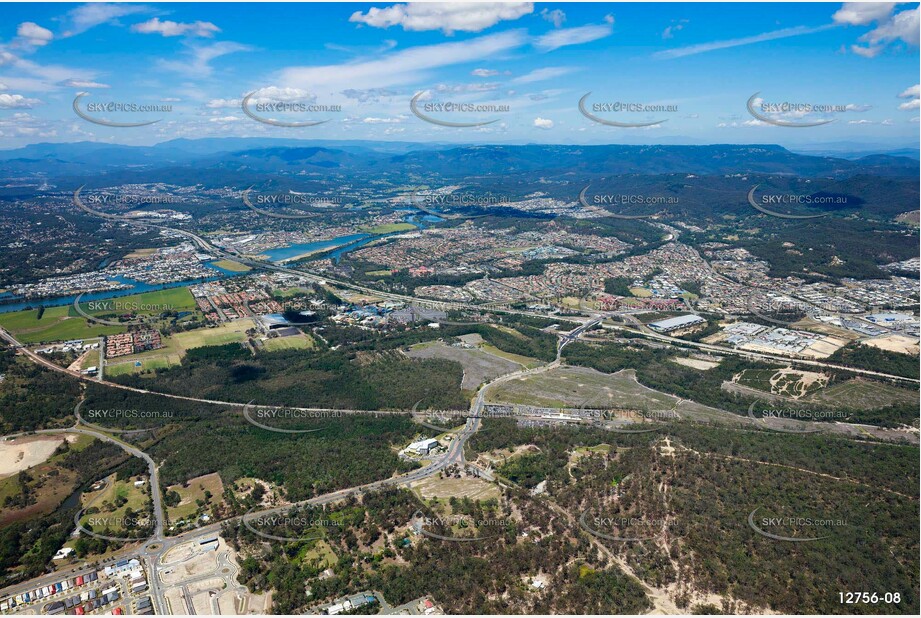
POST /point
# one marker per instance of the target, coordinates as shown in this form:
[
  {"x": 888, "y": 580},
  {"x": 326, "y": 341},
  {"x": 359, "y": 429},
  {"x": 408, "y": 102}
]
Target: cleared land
[
  {"x": 113, "y": 501},
  {"x": 137, "y": 253},
  {"x": 389, "y": 228},
  {"x": 146, "y": 303},
  {"x": 826, "y": 329},
  {"x": 319, "y": 552},
  {"x": 860, "y": 393},
  {"x": 209, "y": 576},
  {"x": 51, "y": 483},
  {"x": 479, "y": 366},
  {"x": 786, "y": 382},
  {"x": 573, "y": 387},
  {"x": 56, "y": 324},
  {"x": 64, "y": 323},
  {"x": 232, "y": 266},
  {"x": 446, "y": 488},
  {"x": 525, "y": 361},
  {"x": 175, "y": 346},
  {"x": 895, "y": 343},
  {"x": 696, "y": 363},
  {"x": 195, "y": 490},
  {"x": 23, "y": 453},
  {"x": 229, "y": 332}
]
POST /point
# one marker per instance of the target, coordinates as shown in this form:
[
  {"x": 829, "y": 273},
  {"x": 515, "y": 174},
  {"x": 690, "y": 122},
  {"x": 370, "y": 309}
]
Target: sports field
[
  {"x": 294, "y": 342},
  {"x": 175, "y": 346}
]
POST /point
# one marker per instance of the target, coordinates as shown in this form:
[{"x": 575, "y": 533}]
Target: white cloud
[
  {"x": 572, "y": 36},
  {"x": 367, "y": 95},
  {"x": 669, "y": 32},
  {"x": 3, "y": 86},
  {"x": 891, "y": 27},
  {"x": 700, "y": 48},
  {"x": 542, "y": 74},
  {"x": 445, "y": 16},
  {"x": 23, "y": 124},
  {"x": 862, "y": 13},
  {"x": 913, "y": 93},
  {"x": 82, "y": 83},
  {"x": 224, "y": 119},
  {"x": 30, "y": 34},
  {"x": 861, "y": 121},
  {"x": 198, "y": 63},
  {"x": 223, "y": 103},
  {"x": 17, "y": 101},
  {"x": 866, "y": 52},
  {"x": 459, "y": 88},
  {"x": 94, "y": 14},
  {"x": 275, "y": 93},
  {"x": 484, "y": 72},
  {"x": 903, "y": 26},
  {"x": 30, "y": 76},
  {"x": 172, "y": 28},
  {"x": 373, "y": 120},
  {"x": 754, "y": 122},
  {"x": 854, "y": 107},
  {"x": 402, "y": 67},
  {"x": 555, "y": 17},
  {"x": 543, "y": 123}
]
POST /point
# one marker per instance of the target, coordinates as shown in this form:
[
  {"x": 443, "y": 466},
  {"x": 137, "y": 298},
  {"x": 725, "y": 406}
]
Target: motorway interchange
[{"x": 153, "y": 551}]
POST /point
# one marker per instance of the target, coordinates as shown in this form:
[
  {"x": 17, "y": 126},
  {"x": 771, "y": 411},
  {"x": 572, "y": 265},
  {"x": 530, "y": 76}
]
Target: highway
[
  {"x": 424, "y": 302},
  {"x": 641, "y": 330},
  {"x": 154, "y": 548},
  {"x": 312, "y": 276},
  {"x": 157, "y": 545}
]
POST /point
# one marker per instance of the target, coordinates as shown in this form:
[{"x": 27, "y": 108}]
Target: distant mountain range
[{"x": 265, "y": 156}]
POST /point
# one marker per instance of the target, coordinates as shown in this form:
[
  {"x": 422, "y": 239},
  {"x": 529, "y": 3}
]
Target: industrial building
[{"x": 679, "y": 322}]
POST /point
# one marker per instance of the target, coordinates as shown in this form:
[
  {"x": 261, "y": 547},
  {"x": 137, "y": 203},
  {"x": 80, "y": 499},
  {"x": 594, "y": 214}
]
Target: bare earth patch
[
  {"x": 479, "y": 366},
  {"x": 23, "y": 453},
  {"x": 469, "y": 487},
  {"x": 894, "y": 343},
  {"x": 695, "y": 363}
]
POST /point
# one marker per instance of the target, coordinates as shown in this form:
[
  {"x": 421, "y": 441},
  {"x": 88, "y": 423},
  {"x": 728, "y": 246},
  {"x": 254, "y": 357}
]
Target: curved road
[{"x": 157, "y": 545}]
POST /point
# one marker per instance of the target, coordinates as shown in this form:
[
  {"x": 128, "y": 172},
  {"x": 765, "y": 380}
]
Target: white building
[{"x": 422, "y": 447}]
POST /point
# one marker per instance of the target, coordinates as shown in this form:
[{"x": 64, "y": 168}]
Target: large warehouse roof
[{"x": 676, "y": 322}]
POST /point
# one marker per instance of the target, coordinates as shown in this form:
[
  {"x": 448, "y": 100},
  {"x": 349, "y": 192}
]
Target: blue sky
[{"x": 700, "y": 63}]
